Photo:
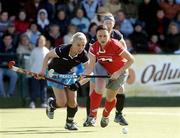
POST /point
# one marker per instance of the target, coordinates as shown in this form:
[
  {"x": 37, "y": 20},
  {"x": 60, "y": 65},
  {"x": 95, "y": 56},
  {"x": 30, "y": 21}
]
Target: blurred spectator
[
  {"x": 90, "y": 8},
  {"x": 80, "y": 21},
  {"x": 7, "y": 48},
  {"x": 62, "y": 5},
  {"x": 62, "y": 21},
  {"x": 130, "y": 9},
  {"x": 91, "y": 34},
  {"x": 92, "y": 31},
  {"x": 177, "y": 20},
  {"x": 31, "y": 7},
  {"x": 54, "y": 36},
  {"x": 161, "y": 24},
  {"x": 99, "y": 16},
  {"x": 125, "y": 25},
  {"x": 42, "y": 21},
  {"x": 7, "y": 45},
  {"x": 72, "y": 5},
  {"x": 147, "y": 13},
  {"x": 72, "y": 29},
  {"x": 113, "y": 6},
  {"x": 139, "y": 38},
  {"x": 21, "y": 22},
  {"x": 172, "y": 39},
  {"x": 33, "y": 33},
  {"x": 102, "y": 2},
  {"x": 170, "y": 8},
  {"x": 4, "y": 22},
  {"x": 24, "y": 46},
  {"x": 129, "y": 45},
  {"x": 48, "y": 45},
  {"x": 24, "y": 50},
  {"x": 153, "y": 45},
  {"x": 177, "y": 1},
  {"x": 15, "y": 35},
  {"x": 38, "y": 87},
  {"x": 50, "y": 6}
]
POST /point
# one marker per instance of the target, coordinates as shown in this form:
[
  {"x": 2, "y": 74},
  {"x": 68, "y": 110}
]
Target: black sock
[
  {"x": 120, "y": 103},
  {"x": 71, "y": 113},
  {"x": 88, "y": 105}
]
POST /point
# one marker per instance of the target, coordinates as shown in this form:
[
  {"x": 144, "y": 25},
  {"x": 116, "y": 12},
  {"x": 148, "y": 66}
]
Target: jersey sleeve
[
  {"x": 84, "y": 57},
  {"x": 58, "y": 51},
  {"x": 118, "y": 47},
  {"x": 116, "y": 35},
  {"x": 93, "y": 49}
]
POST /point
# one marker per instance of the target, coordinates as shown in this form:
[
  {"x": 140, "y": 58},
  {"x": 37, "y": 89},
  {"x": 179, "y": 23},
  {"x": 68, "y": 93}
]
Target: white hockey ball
[{"x": 125, "y": 130}]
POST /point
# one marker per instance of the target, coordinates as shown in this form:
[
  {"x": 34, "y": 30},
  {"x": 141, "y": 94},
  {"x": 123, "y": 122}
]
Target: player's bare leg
[{"x": 53, "y": 103}]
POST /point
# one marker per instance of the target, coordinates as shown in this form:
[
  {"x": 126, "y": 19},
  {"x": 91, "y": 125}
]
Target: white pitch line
[{"x": 154, "y": 113}]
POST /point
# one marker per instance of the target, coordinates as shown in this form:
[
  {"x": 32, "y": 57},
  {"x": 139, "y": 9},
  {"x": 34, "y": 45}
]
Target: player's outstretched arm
[
  {"x": 130, "y": 60},
  {"x": 50, "y": 55},
  {"x": 89, "y": 66}
]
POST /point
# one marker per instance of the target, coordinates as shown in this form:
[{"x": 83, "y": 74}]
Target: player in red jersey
[
  {"x": 109, "y": 21},
  {"x": 113, "y": 59}
]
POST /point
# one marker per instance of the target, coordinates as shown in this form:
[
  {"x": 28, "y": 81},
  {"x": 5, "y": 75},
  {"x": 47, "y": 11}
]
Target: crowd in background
[{"x": 148, "y": 26}]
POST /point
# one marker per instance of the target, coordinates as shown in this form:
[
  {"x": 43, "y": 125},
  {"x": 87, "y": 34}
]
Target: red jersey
[{"x": 109, "y": 57}]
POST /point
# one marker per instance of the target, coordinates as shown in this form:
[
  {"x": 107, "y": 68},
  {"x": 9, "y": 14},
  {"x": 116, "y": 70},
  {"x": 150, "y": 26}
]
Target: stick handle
[
  {"x": 52, "y": 75},
  {"x": 33, "y": 74},
  {"x": 95, "y": 76}
]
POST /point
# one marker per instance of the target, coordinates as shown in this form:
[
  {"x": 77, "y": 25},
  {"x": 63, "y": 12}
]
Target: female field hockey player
[
  {"x": 62, "y": 59},
  {"x": 109, "y": 21},
  {"x": 112, "y": 59}
]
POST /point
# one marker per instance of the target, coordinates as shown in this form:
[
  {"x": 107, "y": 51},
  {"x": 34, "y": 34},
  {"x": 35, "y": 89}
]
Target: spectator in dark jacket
[
  {"x": 139, "y": 38},
  {"x": 9, "y": 52},
  {"x": 172, "y": 39},
  {"x": 62, "y": 21}
]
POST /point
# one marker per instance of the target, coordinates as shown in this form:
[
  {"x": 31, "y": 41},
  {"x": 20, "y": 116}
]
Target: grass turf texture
[{"x": 143, "y": 123}]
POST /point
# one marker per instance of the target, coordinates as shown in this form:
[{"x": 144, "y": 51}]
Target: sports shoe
[
  {"x": 90, "y": 122},
  {"x": 71, "y": 126},
  {"x": 104, "y": 121},
  {"x": 84, "y": 124},
  {"x": 32, "y": 105},
  {"x": 121, "y": 120},
  {"x": 43, "y": 105},
  {"x": 50, "y": 109}
]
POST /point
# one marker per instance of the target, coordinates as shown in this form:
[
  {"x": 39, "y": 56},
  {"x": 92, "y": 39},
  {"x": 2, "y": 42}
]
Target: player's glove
[{"x": 75, "y": 86}]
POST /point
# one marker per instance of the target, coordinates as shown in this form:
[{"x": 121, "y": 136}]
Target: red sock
[
  {"x": 95, "y": 101},
  {"x": 108, "y": 107}
]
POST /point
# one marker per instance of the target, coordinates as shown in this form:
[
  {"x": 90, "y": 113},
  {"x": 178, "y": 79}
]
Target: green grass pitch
[{"x": 143, "y": 123}]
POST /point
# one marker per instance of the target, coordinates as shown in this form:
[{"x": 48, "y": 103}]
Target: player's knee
[
  {"x": 72, "y": 104},
  {"x": 120, "y": 90},
  {"x": 99, "y": 90},
  {"x": 110, "y": 97},
  {"x": 61, "y": 103}
]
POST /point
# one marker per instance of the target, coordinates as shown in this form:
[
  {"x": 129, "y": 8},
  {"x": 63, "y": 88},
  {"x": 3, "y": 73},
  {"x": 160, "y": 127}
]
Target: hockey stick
[
  {"x": 51, "y": 74},
  {"x": 32, "y": 74}
]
